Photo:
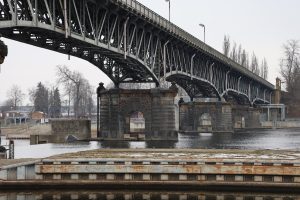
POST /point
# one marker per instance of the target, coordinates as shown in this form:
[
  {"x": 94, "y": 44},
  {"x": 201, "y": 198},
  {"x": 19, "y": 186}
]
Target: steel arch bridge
[{"x": 131, "y": 43}]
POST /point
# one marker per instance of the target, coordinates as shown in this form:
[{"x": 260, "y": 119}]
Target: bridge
[{"x": 131, "y": 43}]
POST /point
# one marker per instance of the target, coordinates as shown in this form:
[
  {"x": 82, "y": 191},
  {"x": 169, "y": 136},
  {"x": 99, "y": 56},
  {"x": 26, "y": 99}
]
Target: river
[{"x": 280, "y": 139}]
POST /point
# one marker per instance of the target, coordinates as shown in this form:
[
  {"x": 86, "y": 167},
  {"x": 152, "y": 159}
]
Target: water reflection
[{"x": 143, "y": 195}]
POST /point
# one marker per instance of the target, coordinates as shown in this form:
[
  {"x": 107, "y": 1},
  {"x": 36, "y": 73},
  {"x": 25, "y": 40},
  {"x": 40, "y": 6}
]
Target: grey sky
[{"x": 261, "y": 26}]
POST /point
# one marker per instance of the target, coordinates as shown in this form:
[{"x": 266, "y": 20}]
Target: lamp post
[
  {"x": 169, "y": 9},
  {"x": 202, "y": 25}
]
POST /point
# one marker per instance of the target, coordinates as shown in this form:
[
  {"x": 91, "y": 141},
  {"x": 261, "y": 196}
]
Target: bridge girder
[{"x": 129, "y": 43}]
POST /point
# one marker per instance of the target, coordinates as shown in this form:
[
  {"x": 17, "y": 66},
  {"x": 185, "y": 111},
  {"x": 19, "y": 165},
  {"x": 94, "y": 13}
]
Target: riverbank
[{"x": 24, "y": 131}]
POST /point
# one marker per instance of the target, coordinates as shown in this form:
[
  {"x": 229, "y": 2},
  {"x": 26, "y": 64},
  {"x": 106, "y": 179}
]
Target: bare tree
[
  {"x": 289, "y": 64},
  {"x": 31, "y": 95},
  {"x": 73, "y": 79},
  {"x": 15, "y": 96},
  {"x": 226, "y": 46},
  {"x": 233, "y": 55},
  {"x": 244, "y": 58},
  {"x": 78, "y": 90},
  {"x": 264, "y": 69},
  {"x": 254, "y": 64},
  {"x": 239, "y": 55}
]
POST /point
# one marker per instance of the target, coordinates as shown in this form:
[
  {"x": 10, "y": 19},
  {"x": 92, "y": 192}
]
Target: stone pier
[
  {"x": 137, "y": 114},
  {"x": 205, "y": 117},
  {"x": 246, "y": 117}
]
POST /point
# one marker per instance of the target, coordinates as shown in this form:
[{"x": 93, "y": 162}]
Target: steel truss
[{"x": 130, "y": 43}]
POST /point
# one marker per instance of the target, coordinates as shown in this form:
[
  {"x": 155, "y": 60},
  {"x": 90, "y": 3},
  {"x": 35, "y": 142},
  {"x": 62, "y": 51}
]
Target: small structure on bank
[
  {"x": 39, "y": 117},
  {"x": 15, "y": 117},
  {"x": 275, "y": 111},
  {"x": 64, "y": 129}
]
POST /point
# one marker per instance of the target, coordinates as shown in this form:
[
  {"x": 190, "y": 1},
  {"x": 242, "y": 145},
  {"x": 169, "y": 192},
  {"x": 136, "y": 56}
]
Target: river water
[{"x": 280, "y": 139}]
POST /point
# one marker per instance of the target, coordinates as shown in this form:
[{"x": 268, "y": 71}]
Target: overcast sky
[{"x": 261, "y": 26}]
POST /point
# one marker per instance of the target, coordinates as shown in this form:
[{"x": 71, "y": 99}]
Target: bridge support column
[
  {"x": 246, "y": 117},
  {"x": 205, "y": 117},
  {"x": 138, "y": 114}
]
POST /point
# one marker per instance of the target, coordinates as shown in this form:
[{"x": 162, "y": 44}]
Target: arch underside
[
  {"x": 111, "y": 63},
  {"x": 194, "y": 87},
  {"x": 114, "y": 65},
  {"x": 236, "y": 97}
]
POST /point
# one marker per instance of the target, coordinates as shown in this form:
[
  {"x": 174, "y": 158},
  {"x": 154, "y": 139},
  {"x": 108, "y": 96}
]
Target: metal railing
[{"x": 173, "y": 29}]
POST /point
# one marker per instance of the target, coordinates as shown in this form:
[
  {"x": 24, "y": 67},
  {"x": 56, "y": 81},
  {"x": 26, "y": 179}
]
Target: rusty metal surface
[{"x": 170, "y": 169}]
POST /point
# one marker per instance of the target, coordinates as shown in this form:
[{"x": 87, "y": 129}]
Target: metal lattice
[{"x": 130, "y": 43}]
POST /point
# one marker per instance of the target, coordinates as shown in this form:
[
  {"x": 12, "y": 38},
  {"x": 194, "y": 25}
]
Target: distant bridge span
[{"x": 131, "y": 43}]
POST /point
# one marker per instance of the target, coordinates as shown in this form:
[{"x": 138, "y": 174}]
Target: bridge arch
[
  {"x": 128, "y": 42},
  {"x": 194, "y": 87},
  {"x": 239, "y": 97}
]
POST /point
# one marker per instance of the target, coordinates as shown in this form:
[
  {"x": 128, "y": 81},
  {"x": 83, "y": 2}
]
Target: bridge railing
[{"x": 172, "y": 28}]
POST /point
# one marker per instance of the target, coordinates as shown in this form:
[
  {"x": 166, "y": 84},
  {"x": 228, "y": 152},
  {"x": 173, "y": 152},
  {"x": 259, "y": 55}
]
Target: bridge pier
[
  {"x": 197, "y": 117},
  {"x": 246, "y": 117},
  {"x": 137, "y": 114},
  {"x": 205, "y": 117}
]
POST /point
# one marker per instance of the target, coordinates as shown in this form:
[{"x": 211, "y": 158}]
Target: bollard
[{"x": 11, "y": 153}]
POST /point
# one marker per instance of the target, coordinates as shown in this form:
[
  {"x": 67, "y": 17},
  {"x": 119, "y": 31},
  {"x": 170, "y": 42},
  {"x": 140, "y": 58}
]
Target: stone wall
[
  {"x": 205, "y": 117},
  {"x": 246, "y": 117},
  {"x": 61, "y": 129},
  {"x": 157, "y": 106}
]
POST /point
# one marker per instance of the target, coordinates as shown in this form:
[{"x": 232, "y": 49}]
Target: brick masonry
[
  {"x": 157, "y": 106},
  {"x": 191, "y": 117},
  {"x": 223, "y": 117},
  {"x": 246, "y": 117}
]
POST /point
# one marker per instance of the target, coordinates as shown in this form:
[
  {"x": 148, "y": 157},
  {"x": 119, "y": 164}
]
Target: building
[
  {"x": 39, "y": 117},
  {"x": 15, "y": 117}
]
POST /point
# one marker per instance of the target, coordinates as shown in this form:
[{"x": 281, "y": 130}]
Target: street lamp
[
  {"x": 202, "y": 25},
  {"x": 169, "y": 9}
]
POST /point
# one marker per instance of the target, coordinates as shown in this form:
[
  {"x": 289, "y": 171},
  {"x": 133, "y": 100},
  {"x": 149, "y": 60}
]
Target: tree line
[
  {"x": 242, "y": 57},
  {"x": 77, "y": 93}
]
